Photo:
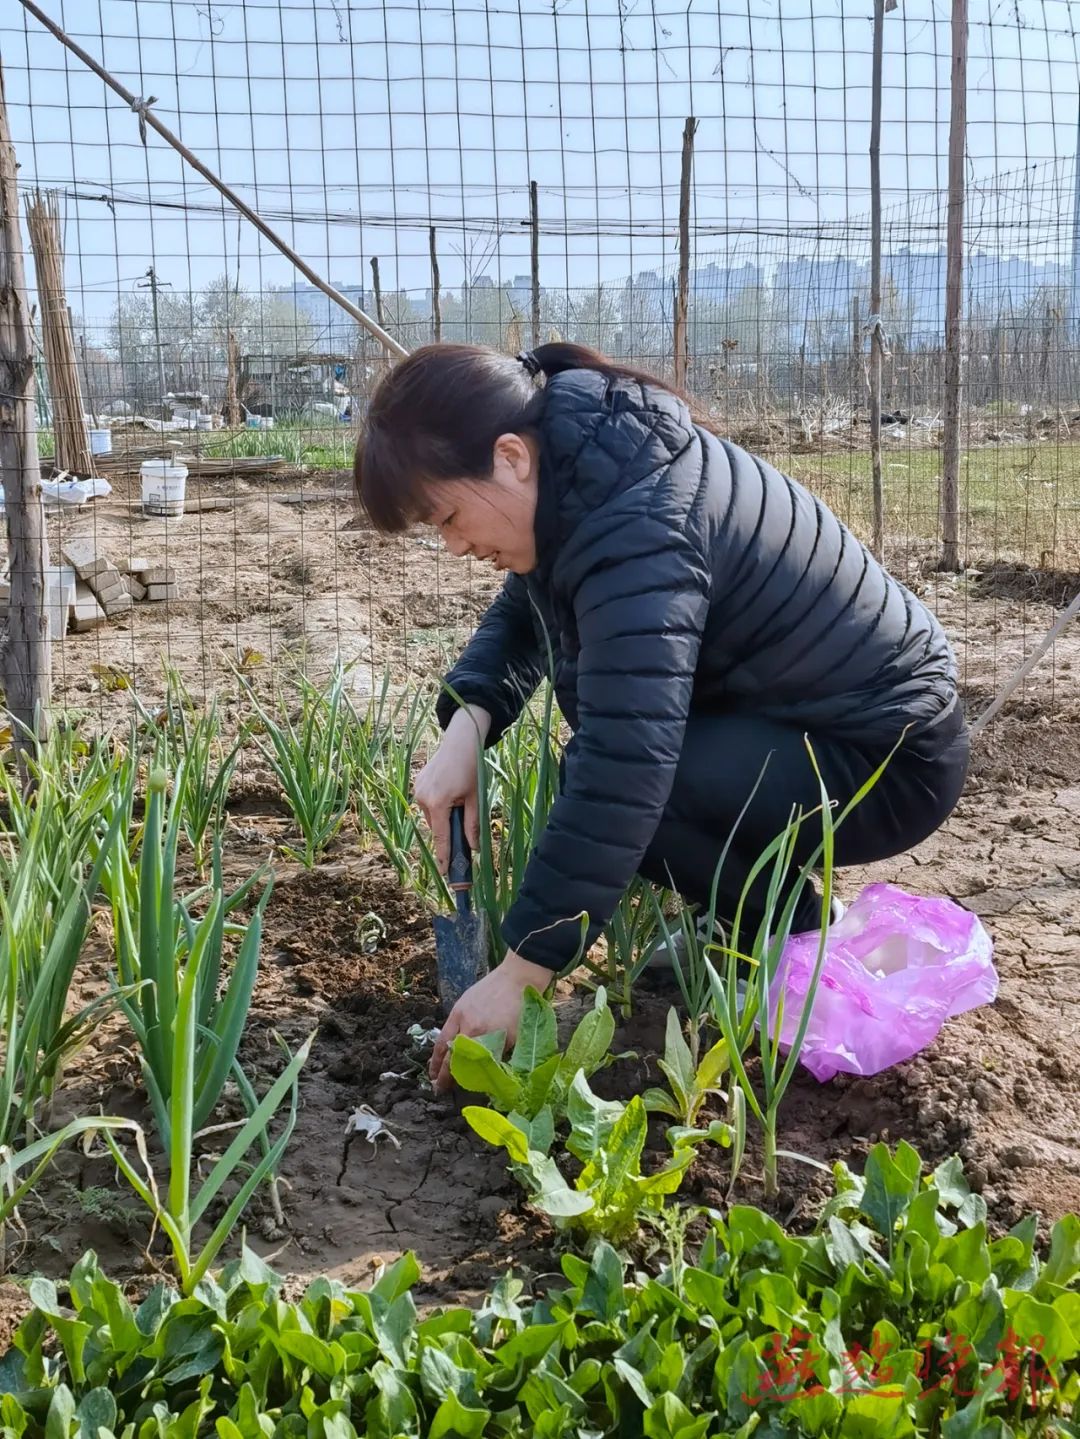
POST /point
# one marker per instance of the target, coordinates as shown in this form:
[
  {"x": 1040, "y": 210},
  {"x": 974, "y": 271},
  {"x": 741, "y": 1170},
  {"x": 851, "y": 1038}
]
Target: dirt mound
[{"x": 1004, "y": 581}]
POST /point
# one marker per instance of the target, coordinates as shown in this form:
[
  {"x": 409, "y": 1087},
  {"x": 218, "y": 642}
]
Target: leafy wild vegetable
[
  {"x": 755, "y": 1332},
  {"x": 612, "y": 1192},
  {"x": 534, "y": 1086}
]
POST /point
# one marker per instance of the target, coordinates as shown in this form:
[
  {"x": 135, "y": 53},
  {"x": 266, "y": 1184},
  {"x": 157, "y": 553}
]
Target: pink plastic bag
[{"x": 895, "y": 969}]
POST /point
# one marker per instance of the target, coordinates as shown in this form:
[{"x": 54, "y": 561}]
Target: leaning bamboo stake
[
  {"x": 69, "y": 423},
  {"x": 27, "y": 667},
  {"x": 142, "y": 109},
  {"x": 1020, "y": 674}
]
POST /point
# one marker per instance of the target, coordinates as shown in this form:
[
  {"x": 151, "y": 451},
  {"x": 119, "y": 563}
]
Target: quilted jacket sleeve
[
  {"x": 641, "y": 599},
  {"x": 501, "y": 665}
]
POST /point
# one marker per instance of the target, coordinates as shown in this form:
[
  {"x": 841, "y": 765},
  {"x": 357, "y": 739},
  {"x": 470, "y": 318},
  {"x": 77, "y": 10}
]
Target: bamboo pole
[
  {"x": 954, "y": 272},
  {"x": 69, "y": 424},
  {"x": 874, "y": 323},
  {"x": 681, "y": 339},
  {"x": 27, "y": 661},
  {"x": 1071, "y": 611},
  {"x": 142, "y": 109}
]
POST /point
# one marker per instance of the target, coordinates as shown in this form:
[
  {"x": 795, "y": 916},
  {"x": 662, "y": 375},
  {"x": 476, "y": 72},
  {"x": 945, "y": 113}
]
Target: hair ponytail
[{"x": 561, "y": 355}]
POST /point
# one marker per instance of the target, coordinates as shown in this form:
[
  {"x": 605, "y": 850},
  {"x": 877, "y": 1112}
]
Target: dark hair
[{"x": 437, "y": 414}]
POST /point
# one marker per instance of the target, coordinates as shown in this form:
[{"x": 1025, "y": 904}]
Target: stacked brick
[{"x": 101, "y": 590}]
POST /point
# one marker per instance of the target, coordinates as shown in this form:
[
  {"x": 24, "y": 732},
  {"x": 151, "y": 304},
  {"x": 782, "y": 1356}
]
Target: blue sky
[{"x": 355, "y": 123}]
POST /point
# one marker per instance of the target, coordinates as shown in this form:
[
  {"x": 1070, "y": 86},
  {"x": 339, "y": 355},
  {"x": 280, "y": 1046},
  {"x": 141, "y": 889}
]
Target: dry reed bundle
[{"x": 72, "y": 440}]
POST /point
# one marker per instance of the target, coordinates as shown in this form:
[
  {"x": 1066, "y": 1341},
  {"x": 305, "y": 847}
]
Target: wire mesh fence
[{"x": 503, "y": 173}]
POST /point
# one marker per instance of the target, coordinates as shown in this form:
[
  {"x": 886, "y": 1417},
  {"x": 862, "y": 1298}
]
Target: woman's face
[{"x": 493, "y": 519}]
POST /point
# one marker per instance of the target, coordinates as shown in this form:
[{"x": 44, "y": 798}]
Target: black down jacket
[{"x": 677, "y": 572}]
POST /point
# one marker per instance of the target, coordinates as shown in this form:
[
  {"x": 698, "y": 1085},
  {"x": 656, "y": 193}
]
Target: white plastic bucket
[
  {"x": 101, "y": 442},
  {"x": 163, "y": 487}
]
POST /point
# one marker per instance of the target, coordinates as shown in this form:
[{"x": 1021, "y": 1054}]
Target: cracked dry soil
[{"x": 1001, "y": 1085}]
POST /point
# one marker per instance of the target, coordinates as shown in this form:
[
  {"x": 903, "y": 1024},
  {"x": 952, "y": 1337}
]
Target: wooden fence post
[
  {"x": 682, "y": 298},
  {"x": 436, "y": 296},
  {"x": 954, "y": 273},
  {"x": 27, "y": 662},
  {"x": 534, "y": 259},
  {"x": 877, "y": 345}
]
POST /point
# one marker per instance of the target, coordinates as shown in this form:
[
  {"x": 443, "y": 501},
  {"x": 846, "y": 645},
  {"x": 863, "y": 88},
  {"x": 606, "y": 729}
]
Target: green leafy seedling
[
  {"x": 611, "y": 1193},
  {"x": 690, "y": 1085},
  {"x": 534, "y": 1084}
]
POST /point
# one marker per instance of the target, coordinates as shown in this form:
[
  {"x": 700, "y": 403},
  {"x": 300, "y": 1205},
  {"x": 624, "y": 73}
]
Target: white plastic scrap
[
  {"x": 365, "y": 1122},
  {"x": 423, "y": 1038}
]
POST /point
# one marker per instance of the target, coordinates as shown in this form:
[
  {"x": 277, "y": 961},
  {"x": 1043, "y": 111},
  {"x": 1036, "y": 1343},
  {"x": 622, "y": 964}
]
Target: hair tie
[{"x": 531, "y": 364}]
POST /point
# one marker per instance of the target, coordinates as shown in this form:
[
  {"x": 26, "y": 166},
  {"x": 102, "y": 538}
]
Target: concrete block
[
  {"x": 86, "y": 613},
  {"x": 85, "y": 557},
  {"x": 118, "y": 605},
  {"x": 134, "y": 566},
  {"x": 162, "y": 592},
  {"x": 158, "y": 575},
  {"x": 60, "y": 583},
  {"x": 135, "y": 587},
  {"x": 108, "y": 584}
]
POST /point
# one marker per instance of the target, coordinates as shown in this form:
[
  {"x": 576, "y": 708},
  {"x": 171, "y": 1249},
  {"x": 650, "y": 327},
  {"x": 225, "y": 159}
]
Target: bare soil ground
[{"x": 1000, "y": 1086}]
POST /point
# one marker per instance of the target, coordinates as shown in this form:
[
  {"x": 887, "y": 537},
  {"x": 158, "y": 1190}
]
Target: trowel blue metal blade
[{"x": 460, "y": 955}]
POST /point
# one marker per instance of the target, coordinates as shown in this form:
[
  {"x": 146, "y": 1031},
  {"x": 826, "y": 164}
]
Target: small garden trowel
[{"x": 460, "y": 942}]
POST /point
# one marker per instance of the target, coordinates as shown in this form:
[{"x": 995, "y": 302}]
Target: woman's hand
[
  {"x": 492, "y": 1003},
  {"x": 450, "y": 778}
]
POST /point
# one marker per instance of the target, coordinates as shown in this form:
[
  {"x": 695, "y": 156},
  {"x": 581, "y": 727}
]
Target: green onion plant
[
  {"x": 518, "y": 781},
  {"x": 384, "y": 747},
  {"x": 741, "y": 993},
  {"x": 204, "y": 765},
  {"x": 189, "y": 1019},
  {"x": 309, "y": 756},
  {"x": 161, "y": 949}
]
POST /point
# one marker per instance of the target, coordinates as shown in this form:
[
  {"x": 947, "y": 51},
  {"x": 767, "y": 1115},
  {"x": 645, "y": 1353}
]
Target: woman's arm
[
  {"x": 501, "y": 665},
  {"x": 640, "y": 609}
]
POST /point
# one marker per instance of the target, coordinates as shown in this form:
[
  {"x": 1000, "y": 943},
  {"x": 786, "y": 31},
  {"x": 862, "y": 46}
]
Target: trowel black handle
[{"x": 459, "y": 876}]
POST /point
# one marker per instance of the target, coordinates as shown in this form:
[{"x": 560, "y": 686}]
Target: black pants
[{"x": 721, "y": 759}]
